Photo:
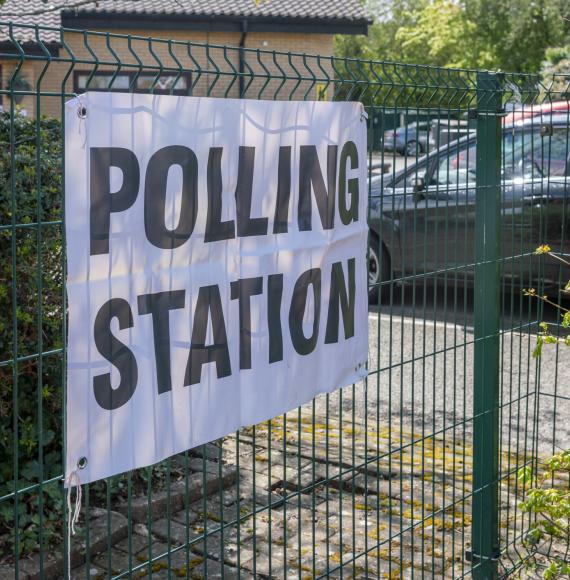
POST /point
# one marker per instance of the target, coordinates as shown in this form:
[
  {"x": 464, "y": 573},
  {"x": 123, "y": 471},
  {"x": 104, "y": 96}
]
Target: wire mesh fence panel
[{"x": 412, "y": 472}]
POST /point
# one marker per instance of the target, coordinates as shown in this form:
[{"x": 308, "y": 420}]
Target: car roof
[
  {"x": 542, "y": 119},
  {"x": 523, "y": 112},
  {"x": 558, "y": 119}
]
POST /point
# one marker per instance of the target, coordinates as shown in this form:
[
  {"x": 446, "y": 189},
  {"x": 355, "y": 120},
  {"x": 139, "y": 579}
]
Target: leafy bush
[
  {"x": 549, "y": 499},
  {"x": 556, "y": 68},
  {"x": 31, "y": 323}
]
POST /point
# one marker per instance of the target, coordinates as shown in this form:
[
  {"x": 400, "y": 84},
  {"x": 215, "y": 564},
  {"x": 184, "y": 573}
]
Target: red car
[{"x": 535, "y": 110}]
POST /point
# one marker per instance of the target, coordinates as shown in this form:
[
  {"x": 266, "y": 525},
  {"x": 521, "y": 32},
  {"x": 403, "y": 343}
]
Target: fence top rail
[{"x": 367, "y": 78}]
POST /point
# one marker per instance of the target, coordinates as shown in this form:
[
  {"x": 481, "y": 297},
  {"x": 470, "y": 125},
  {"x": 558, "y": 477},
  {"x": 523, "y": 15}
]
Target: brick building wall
[{"x": 266, "y": 75}]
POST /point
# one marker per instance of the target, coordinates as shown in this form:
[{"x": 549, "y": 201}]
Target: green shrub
[
  {"x": 31, "y": 322},
  {"x": 31, "y": 393},
  {"x": 549, "y": 498},
  {"x": 549, "y": 502}
]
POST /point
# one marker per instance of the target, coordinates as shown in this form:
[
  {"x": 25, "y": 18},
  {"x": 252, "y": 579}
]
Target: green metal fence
[{"x": 411, "y": 473}]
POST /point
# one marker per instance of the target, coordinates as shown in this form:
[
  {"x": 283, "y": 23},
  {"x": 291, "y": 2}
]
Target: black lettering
[
  {"x": 311, "y": 178},
  {"x": 339, "y": 300},
  {"x": 280, "y": 223},
  {"x": 209, "y": 304},
  {"x": 246, "y": 225},
  {"x": 302, "y": 344},
  {"x": 117, "y": 353},
  {"x": 159, "y": 305},
  {"x": 103, "y": 201},
  {"x": 350, "y": 214},
  {"x": 155, "y": 196},
  {"x": 216, "y": 229},
  {"x": 243, "y": 290},
  {"x": 274, "y": 298}
]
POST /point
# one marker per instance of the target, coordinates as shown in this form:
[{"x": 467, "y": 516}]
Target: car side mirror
[{"x": 418, "y": 184}]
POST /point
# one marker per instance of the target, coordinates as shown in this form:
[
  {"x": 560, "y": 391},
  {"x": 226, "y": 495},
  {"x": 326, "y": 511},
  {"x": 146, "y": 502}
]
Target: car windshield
[{"x": 525, "y": 155}]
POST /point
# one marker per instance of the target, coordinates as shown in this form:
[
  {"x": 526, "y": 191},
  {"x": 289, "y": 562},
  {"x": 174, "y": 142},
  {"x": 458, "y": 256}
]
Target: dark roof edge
[{"x": 115, "y": 20}]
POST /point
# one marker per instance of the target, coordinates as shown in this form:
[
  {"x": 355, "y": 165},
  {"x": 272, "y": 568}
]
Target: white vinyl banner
[{"x": 216, "y": 268}]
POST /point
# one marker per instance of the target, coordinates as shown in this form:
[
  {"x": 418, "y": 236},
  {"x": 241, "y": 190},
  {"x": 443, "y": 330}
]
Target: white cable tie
[{"x": 72, "y": 516}]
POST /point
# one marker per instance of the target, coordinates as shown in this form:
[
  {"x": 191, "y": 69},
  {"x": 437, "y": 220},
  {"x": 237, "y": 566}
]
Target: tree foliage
[
  {"x": 556, "y": 69},
  {"x": 495, "y": 34},
  {"x": 441, "y": 33}
]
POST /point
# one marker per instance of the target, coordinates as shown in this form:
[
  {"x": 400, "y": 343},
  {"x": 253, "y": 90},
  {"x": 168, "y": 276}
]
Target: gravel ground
[{"x": 421, "y": 379}]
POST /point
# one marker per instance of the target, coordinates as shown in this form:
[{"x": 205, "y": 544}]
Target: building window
[
  {"x": 103, "y": 81},
  {"x": 165, "y": 84}
]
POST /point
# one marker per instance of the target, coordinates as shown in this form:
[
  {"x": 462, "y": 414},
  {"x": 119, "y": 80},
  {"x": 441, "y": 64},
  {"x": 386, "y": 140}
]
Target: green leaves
[
  {"x": 441, "y": 33},
  {"x": 491, "y": 34},
  {"x": 557, "y": 569},
  {"x": 31, "y": 299},
  {"x": 544, "y": 335},
  {"x": 543, "y": 249},
  {"x": 549, "y": 502},
  {"x": 524, "y": 474}
]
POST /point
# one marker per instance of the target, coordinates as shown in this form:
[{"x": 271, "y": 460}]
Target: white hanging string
[{"x": 72, "y": 515}]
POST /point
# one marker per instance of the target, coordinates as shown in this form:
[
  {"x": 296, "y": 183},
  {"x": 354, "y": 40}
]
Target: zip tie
[{"x": 72, "y": 518}]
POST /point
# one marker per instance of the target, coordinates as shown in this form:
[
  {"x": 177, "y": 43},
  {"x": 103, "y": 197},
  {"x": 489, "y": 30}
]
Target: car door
[
  {"x": 406, "y": 244},
  {"x": 437, "y": 223},
  {"x": 536, "y": 202}
]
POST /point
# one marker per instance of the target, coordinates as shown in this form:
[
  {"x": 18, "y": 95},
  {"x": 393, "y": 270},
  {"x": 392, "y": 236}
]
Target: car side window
[
  {"x": 404, "y": 181},
  {"x": 533, "y": 155},
  {"x": 456, "y": 167},
  {"x": 527, "y": 154}
]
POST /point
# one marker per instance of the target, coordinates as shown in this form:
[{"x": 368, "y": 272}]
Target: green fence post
[{"x": 485, "y": 531}]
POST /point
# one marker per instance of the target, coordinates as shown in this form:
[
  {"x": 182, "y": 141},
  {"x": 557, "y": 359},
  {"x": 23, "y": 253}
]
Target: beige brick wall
[{"x": 267, "y": 75}]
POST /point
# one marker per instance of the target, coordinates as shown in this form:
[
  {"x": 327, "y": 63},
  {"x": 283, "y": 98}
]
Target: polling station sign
[{"x": 216, "y": 268}]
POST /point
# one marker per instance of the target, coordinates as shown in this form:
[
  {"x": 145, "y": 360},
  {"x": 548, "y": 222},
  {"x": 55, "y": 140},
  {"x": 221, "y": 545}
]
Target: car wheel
[
  {"x": 412, "y": 148},
  {"x": 378, "y": 270}
]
